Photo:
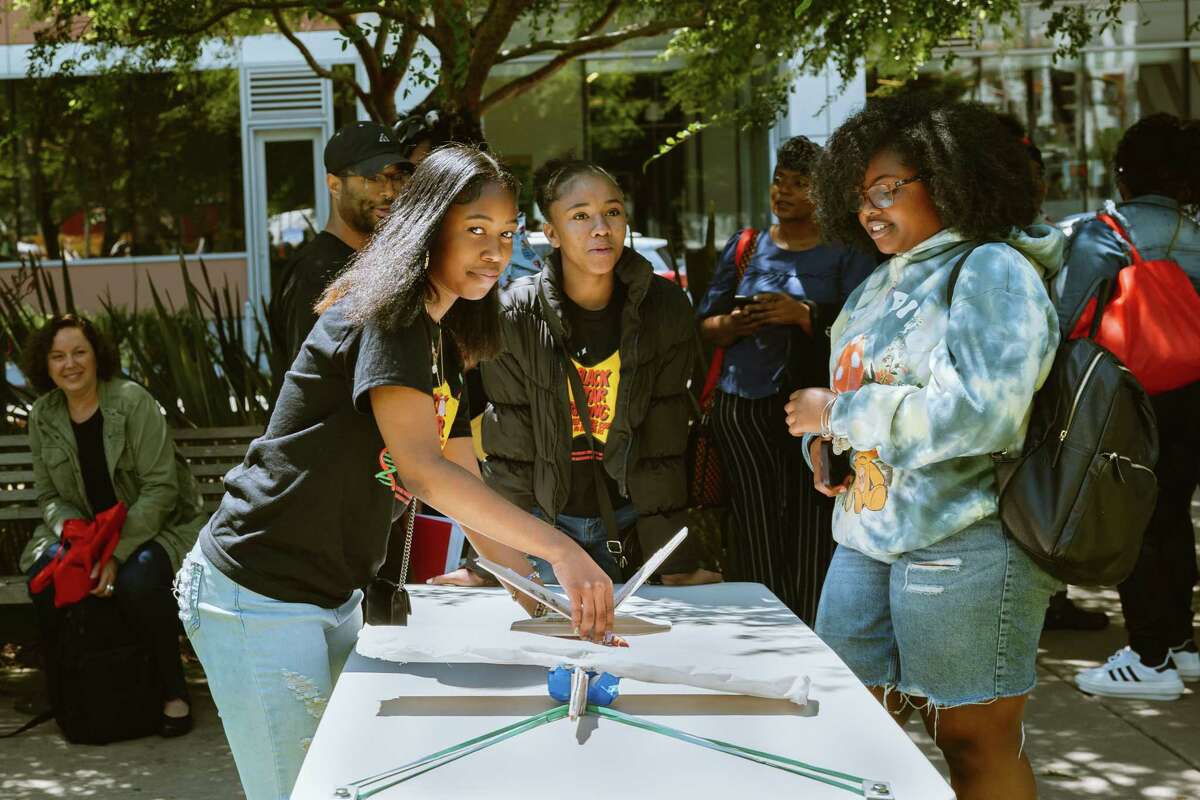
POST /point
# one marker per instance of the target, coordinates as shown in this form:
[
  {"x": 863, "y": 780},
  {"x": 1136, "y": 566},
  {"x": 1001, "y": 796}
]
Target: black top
[
  {"x": 307, "y": 273},
  {"x": 594, "y": 338},
  {"x": 89, "y": 438},
  {"x": 305, "y": 518}
]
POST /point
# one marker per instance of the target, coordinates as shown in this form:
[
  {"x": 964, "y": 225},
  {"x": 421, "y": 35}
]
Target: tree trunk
[{"x": 42, "y": 204}]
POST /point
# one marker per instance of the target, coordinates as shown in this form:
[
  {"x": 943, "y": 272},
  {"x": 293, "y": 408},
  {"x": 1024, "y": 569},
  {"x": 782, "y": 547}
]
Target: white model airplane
[{"x": 623, "y": 624}]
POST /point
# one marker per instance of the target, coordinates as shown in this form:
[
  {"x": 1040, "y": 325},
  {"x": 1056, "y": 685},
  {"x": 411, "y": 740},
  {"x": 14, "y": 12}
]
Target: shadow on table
[{"x": 687, "y": 705}]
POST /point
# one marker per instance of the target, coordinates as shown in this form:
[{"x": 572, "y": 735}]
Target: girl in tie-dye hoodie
[{"x": 926, "y": 595}]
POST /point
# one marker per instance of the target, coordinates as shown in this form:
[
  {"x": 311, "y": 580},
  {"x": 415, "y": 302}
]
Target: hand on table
[{"x": 590, "y": 591}]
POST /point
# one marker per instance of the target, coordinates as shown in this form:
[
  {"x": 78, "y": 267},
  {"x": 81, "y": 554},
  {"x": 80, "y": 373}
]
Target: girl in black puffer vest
[{"x": 628, "y": 333}]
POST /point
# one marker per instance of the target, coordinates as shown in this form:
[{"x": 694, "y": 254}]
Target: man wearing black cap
[{"x": 364, "y": 172}]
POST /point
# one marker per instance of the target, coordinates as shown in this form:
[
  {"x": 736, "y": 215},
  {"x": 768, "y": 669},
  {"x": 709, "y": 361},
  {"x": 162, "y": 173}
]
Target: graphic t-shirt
[
  {"x": 304, "y": 518},
  {"x": 594, "y": 342},
  {"x": 447, "y": 398}
]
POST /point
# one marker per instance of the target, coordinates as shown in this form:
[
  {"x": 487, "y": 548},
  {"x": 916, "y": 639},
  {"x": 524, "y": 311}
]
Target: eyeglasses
[
  {"x": 373, "y": 182},
  {"x": 883, "y": 195}
]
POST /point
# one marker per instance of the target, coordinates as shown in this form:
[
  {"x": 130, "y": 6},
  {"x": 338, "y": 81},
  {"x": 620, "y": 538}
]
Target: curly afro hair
[
  {"x": 1160, "y": 154},
  {"x": 798, "y": 154},
  {"x": 976, "y": 172}
]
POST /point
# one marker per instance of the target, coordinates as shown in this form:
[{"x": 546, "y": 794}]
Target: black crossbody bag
[{"x": 617, "y": 547}]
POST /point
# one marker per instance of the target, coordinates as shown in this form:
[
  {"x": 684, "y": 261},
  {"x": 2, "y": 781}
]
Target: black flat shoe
[
  {"x": 1064, "y": 615},
  {"x": 175, "y": 726}
]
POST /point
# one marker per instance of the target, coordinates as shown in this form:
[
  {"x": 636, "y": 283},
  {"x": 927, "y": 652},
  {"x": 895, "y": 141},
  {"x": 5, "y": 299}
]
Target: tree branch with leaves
[{"x": 449, "y": 48}]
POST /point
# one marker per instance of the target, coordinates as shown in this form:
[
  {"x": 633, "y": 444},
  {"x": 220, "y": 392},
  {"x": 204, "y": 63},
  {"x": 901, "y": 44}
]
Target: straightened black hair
[
  {"x": 1160, "y": 154},
  {"x": 551, "y": 179},
  {"x": 976, "y": 172},
  {"x": 386, "y": 282},
  {"x": 36, "y": 353}
]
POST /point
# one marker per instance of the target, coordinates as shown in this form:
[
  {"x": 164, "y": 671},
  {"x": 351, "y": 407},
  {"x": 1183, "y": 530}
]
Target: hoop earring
[{"x": 427, "y": 261}]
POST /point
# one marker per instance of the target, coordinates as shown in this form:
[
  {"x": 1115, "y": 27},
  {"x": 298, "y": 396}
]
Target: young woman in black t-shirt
[
  {"x": 368, "y": 412},
  {"x": 628, "y": 334}
]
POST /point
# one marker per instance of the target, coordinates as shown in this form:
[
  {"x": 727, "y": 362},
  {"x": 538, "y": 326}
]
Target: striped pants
[{"x": 782, "y": 526}]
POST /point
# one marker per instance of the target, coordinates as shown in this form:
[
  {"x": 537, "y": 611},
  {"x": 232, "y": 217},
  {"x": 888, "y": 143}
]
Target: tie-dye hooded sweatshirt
[{"x": 926, "y": 392}]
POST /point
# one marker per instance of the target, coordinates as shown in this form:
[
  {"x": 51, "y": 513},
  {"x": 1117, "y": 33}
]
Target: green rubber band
[
  {"x": 759, "y": 757},
  {"x": 456, "y": 751},
  {"x": 445, "y": 756}
]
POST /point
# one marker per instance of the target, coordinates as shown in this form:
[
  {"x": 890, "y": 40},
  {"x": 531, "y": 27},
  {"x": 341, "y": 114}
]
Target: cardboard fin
[{"x": 623, "y": 625}]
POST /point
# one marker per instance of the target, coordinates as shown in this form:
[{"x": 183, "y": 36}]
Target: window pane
[
  {"x": 543, "y": 123},
  {"x": 291, "y": 220},
  {"x": 124, "y": 165},
  {"x": 1123, "y": 87},
  {"x": 1045, "y": 95}
]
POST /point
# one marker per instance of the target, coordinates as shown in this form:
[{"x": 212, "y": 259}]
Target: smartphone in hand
[
  {"x": 831, "y": 469},
  {"x": 742, "y": 300},
  {"x": 825, "y": 464}
]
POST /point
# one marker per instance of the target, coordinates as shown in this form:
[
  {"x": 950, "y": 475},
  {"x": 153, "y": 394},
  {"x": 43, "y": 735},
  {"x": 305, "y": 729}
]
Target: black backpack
[
  {"x": 101, "y": 676},
  {"x": 1080, "y": 494}
]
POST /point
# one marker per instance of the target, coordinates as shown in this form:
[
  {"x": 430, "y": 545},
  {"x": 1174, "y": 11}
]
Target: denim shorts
[{"x": 957, "y": 622}]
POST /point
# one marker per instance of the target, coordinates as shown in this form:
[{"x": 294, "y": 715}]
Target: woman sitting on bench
[{"x": 98, "y": 440}]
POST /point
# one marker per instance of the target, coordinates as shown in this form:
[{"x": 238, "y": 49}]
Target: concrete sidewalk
[{"x": 1080, "y": 746}]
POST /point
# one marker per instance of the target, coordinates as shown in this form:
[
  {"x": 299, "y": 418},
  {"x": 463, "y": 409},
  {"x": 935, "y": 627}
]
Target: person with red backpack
[
  {"x": 1147, "y": 249},
  {"x": 772, "y": 299}
]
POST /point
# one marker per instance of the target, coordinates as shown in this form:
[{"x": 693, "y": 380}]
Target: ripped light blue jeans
[{"x": 271, "y": 667}]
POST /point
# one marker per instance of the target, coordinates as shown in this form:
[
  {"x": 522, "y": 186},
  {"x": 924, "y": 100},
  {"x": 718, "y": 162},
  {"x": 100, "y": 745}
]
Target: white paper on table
[{"x": 685, "y": 656}]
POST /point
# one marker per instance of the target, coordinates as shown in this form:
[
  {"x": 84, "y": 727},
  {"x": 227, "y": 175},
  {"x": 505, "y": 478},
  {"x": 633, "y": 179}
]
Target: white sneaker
[
  {"x": 1187, "y": 661},
  {"x": 1126, "y": 676}
]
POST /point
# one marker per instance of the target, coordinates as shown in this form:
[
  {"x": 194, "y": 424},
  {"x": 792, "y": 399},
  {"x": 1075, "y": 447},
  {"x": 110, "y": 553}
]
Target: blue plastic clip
[{"x": 603, "y": 688}]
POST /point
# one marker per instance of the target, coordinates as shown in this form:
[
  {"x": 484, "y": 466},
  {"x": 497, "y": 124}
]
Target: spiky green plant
[{"x": 194, "y": 358}]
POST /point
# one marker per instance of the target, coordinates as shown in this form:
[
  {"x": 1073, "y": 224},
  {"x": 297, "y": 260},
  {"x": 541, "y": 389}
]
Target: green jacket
[{"x": 148, "y": 473}]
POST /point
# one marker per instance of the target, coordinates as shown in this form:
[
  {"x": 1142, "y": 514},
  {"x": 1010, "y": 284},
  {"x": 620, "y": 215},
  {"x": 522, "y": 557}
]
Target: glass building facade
[{"x": 1076, "y": 109}]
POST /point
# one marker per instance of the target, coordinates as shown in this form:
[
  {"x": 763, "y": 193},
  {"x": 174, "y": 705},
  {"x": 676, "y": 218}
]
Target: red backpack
[{"x": 1150, "y": 319}]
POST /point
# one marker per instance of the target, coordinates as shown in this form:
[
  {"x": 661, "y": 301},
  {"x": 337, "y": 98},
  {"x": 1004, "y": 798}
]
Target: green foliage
[
  {"x": 722, "y": 44},
  {"x": 193, "y": 359},
  {"x": 615, "y": 111},
  {"x": 112, "y": 146}
]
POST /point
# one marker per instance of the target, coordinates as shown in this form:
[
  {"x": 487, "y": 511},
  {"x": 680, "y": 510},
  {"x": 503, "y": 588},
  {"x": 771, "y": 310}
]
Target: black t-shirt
[
  {"x": 308, "y": 272},
  {"x": 305, "y": 518},
  {"x": 89, "y": 438},
  {"x": 594, "y": 341}
]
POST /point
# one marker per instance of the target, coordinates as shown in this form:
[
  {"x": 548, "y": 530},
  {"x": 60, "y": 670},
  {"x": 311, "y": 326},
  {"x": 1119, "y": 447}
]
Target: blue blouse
[{"x": 826, "y": 274}]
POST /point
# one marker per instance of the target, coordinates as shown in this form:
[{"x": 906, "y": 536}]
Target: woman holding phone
[{"x": 770, "y": 313}]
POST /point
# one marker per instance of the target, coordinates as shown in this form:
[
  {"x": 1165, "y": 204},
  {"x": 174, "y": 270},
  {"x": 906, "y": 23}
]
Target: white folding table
[{"x": 383, "y": 714}]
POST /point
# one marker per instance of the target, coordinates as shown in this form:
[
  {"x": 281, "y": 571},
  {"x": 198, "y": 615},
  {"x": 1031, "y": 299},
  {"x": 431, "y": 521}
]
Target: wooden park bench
[{"x": 210, "y": 452}]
